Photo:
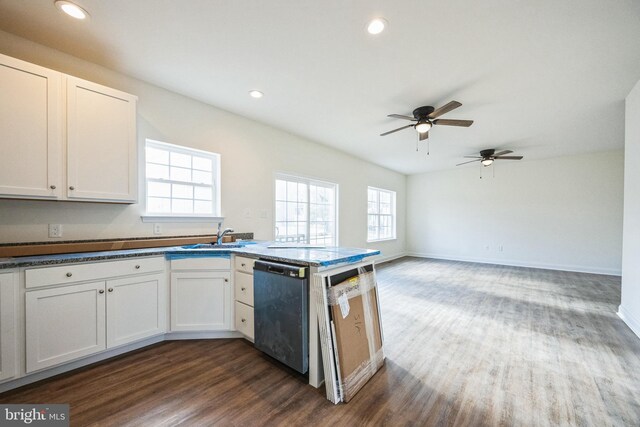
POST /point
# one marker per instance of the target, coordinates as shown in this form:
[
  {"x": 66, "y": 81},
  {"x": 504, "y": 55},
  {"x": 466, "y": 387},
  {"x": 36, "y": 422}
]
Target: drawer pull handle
[
  {"x": 137, "y": 267},
  {"x": 243, "y": 289},
  {"x": 72, "y": 188},
  {"x": 244, "y": 320},
  {"x": 110, "y": 289},
  {"x": 243, "y": 264},
  {"x": 101, "y": 291},
  {"x": 69, "y": 274},
  {"x": 226, "y": 280},
  {"x": 53, "y": 187}
]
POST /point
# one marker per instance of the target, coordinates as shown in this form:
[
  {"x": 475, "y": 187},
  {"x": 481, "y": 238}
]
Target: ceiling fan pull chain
[
  {"x": 493, "y": 169},
  {"x": 428, "y": 147},
  {"x": 480, "y": 170},
  {"x": 417, "y": 145}
]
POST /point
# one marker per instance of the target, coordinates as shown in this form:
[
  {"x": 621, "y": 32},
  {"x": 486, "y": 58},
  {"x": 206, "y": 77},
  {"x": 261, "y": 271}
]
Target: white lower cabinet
[
  {"x": 64, "y": 324},
  {"x": 135, "y": 308},
  {"x": 201, "y": 301},
  {"x": 7, "y": 326},
  {"x": 68, "y": 322}
]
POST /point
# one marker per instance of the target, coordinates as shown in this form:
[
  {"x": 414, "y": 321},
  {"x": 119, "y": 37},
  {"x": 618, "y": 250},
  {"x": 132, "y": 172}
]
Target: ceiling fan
[
  {"x": 427, "y": 116},
  {"x": 487, "y": 157}
]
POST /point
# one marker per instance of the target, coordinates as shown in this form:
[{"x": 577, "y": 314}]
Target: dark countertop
[{"x": 310, "y": 257}]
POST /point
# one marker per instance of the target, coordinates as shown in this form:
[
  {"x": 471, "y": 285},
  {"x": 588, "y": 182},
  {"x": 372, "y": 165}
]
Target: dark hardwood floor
[{"x": 466, "y": 344}]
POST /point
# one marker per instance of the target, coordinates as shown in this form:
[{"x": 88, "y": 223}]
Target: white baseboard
[
  {"x": 516, "y": 263},
  {"x": 380, "y": 259},
  {"x": 632, "y": 322},
  {"x": 188, "y": 335}
]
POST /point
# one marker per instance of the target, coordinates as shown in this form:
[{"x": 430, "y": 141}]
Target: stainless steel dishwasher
[{"x": 281, "y": 312}]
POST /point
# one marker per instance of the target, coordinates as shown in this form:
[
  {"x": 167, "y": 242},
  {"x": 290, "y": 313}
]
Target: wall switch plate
[
  {"x": 157, "y": 229},
  {"x": 55, "y": 230},
  {"x": 500, "y": 248}
]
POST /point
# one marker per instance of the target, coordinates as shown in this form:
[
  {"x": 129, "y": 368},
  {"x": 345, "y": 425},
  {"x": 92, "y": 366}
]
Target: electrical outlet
[
  {"x": 486, "y": 247},
  {"x": 55, "y": 230},
  {"x": 157, "y": 229},
  {"x": 500, "y": 248},
  {"x": 263, "y": 213},
  {"x": 246, "y": 213}
]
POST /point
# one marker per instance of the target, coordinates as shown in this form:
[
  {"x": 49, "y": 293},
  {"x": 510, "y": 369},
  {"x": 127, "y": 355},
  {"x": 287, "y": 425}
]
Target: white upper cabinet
[
  {"x": 30, "y": 130},
  {"x": 101, "y": 143},
  {"x": 39, "y": 121}
]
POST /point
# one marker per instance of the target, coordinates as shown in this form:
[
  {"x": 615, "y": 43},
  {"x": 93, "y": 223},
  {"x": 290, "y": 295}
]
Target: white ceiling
[{"x": 542, "y": 78}]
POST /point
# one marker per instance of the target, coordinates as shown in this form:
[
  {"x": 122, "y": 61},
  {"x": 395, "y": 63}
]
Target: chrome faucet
[{"x": 221, "y": 234}]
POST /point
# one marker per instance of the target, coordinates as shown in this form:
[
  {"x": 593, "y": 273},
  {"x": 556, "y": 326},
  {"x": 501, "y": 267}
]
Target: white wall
[
  {"x": 561, "y": 213},
  {"x": 251, "y": 153},
  {"x": 630, "y": 306}
]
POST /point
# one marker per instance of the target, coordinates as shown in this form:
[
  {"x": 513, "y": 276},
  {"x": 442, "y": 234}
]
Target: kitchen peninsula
[{"x": 127, "y": 299}]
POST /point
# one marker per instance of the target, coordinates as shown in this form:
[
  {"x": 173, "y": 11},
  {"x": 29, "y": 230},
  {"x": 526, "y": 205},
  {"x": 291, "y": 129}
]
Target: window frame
[
  {"x": 393, "y": 215},
  {"x": 308, "y": 181},
  {"x": 180, "y": 217}
]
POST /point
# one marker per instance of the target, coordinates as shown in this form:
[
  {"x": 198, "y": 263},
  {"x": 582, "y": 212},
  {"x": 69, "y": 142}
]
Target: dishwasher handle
[{"x": 287, "y": 270}]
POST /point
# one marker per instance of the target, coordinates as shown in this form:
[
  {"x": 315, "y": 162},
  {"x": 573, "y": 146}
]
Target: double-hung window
[
  {"x": 306, "y": 211},
  {"x": 381, "y": 212},
  {"x": 181, "y": 181}
]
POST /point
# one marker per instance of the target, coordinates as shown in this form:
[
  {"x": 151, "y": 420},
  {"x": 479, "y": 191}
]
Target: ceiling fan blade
[
  {"x": 509, "y": 158},
  {"x": 470, "y": 161},
  {"x": 472, "y": 157},
  {"x": 501, "y": 153},
  {"x": 444, "y": 109},
  {"x": 453, "y": 122},
  {"x": 423, "y": 135},
  {"x": 396, "y": 130},
  {"x": 400, "y": 116}
]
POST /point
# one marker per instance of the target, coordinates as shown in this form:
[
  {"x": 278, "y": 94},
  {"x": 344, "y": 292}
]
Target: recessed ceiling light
[
  {"x": 72, "y": 9},
  {"x": 376, "y": 26},
  {"x": 256, "y": 94}
]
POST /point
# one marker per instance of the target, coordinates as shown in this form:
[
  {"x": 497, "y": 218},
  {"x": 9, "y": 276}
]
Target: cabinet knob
[
  {"x": 101, "y": 291},
  {"x": 244, "y": 320},
  {"x": 53, "y": 187},
  {"x": 110, "y": 289},
  {"x": 72, "y": 187},
  {"x": 226, "y": 280},
  {"x": 243, "y": 264},
  {"x": 69, "y": 274},
  {"x": 137, "y": 267},
  {"x": 243, "y": 289}
]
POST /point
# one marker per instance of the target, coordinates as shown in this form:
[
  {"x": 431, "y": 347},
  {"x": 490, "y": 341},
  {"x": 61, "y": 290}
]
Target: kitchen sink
[{"x": 212, "y": 246}]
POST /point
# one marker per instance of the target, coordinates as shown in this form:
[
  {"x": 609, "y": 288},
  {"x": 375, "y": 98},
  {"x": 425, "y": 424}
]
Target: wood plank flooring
[{"x": 466, "y": 344}]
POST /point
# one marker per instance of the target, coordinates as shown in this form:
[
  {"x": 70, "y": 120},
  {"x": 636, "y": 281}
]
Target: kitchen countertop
[{"x": 317, "y": 257}]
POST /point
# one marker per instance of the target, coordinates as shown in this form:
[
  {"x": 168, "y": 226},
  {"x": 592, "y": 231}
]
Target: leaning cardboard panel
[{"x": 357, "y": 332}]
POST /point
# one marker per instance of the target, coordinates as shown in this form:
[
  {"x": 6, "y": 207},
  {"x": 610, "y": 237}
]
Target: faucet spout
[{"x": 220, "y": 235}]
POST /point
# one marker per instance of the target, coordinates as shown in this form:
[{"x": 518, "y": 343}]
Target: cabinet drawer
[
  {"x": 213, "y": 263},
  {"x": 244, "y": 288},
  {"x": 244, "y": 264},
  {"x": 244, "y": 320},
  {"x": 46, "y": 276}
]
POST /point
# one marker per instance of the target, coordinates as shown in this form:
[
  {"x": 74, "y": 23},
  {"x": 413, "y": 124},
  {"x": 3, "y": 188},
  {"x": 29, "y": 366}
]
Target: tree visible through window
[
  {"x": 381, "y": 213},
  {"x": 181, "y": 181},
  {"x": 305, "y": 211}
]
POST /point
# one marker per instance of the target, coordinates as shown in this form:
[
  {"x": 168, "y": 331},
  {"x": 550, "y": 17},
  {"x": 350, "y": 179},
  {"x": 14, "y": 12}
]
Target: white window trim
[
  {"x": 177, "y": 218},
  {"x": 305, "y": 179},
  {"x": 393, "y": 216}
]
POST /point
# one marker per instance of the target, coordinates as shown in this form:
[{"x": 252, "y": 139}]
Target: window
[
  {"x": 306, "y": 211},
  {"x": 181, "y": 181},
  {"x": 381, "y": 210}
]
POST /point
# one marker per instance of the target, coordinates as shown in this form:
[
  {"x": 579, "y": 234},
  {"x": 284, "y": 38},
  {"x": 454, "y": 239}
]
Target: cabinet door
[
  {"x": 201, "y": 301},
  {"x": 136, "y": 308},
  {"x": 64, "y": 324},
  {"x": 30, "y": 130},
  {"x": 7, "y": 326},
  {"x": 101, "y": 143}
]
